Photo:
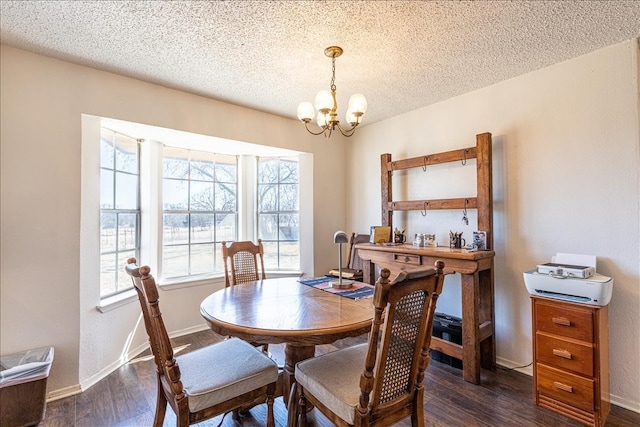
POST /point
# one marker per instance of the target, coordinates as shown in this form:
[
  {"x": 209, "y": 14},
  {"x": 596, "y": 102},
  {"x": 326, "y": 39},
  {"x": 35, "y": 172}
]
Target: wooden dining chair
[
  {"x": 379, "y": 382},
  {"x": 241, "y": 262},
  {"x": 205, "y": 382}
]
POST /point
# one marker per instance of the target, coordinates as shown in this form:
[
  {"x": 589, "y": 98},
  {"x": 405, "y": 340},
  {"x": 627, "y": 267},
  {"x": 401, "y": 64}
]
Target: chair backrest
[
  {"x": 241, "y": 262},
  {"x": 166, "y": 364},
  {"x": 353, "y": 260},
  {"x": 398, "y": 348}
]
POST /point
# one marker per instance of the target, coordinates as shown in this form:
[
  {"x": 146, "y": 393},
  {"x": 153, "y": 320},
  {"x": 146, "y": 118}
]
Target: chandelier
[{"x": 327, "y": 105}]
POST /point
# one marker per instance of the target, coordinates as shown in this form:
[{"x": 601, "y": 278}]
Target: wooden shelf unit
[
  {"x": 478, "y": 349},
  {"x": 482, "y": 201}
]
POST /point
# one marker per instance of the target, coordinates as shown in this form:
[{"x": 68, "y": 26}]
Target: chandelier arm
[
  {"x": 347, "y": 132},
  {"x": 322, "y": 129}
]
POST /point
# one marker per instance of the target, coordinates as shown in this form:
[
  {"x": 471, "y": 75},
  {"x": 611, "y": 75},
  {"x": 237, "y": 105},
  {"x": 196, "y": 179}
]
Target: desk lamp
[{"x": 340, "y": 237}]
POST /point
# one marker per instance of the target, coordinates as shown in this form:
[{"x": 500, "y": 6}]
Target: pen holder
[{"x": 456, "y": 241}]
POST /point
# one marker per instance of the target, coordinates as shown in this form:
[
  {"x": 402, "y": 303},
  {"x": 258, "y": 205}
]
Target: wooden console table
[{"x": 478, "y": 347}]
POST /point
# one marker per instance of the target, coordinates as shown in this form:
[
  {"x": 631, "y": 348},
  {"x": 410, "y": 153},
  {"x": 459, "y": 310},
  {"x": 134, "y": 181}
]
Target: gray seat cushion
[
  {"x": 221, "y": 371},
  {"x": 334, "y": 379}
]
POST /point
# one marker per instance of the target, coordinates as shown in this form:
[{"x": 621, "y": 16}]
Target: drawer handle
[
  {"x": 406, "y": 259},
  {"x": 563, "y": 321},
  {"x": 561, "y": 353},
  {"x": 563, "y": 387}
]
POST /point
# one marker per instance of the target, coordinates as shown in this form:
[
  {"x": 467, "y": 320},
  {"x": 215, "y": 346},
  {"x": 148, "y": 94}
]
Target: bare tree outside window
[
  {"x": 278, "y": 211},
  {"x": 119, "y": 209},
  {"x": 200, "y": 193}
]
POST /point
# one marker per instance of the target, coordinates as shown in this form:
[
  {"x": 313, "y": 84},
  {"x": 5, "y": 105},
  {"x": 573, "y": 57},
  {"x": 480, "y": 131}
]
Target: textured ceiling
[{"x": 269, "y": 55}]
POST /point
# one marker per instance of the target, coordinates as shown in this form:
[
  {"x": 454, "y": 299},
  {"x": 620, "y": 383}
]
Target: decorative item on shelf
[
  {"x": 340, "y": 237},
  {"x": 379, "y": 234},
  {"x": 327, "y": 105},
  {"x": 398, "y": 236},
  {"x": 456, "y": 241},
  {"x": 465, "y": 219},
  {"x": 418, "y": 240},
  {"x": 430, "y": 241},
  {"x": 480, "y": 240}
]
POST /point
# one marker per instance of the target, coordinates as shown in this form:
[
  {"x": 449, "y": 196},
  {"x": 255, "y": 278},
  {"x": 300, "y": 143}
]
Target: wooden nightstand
[{"x": 571, "y": 351}]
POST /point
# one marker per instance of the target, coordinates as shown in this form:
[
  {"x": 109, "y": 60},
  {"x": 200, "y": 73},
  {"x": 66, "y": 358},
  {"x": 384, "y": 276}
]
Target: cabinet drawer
[
  {"x": 407, "y": 259},
  {"x": 566, "y": 387},
  {"x": 560, "y": 320},
  {"x": 570, "y": 355}
]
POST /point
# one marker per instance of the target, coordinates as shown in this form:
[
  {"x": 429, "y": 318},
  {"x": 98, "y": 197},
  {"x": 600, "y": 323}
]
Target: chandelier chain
[{"x": 333, "y": 73}]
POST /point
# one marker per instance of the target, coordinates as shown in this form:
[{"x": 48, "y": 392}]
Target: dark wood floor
[{"x": 127, "y": 398}]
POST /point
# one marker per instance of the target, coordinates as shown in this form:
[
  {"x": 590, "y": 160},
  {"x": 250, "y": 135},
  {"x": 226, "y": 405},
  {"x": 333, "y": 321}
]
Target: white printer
[{"x": 570, "y": 277}]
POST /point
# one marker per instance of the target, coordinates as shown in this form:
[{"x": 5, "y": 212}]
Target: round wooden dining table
[{"x": 283, "y": 310}]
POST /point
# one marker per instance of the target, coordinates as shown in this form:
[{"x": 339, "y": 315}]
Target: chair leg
[
  {"x": 161, "y": 406},
  {"x": 271, "y": 422},
  {"x": 292, "y": 408}
]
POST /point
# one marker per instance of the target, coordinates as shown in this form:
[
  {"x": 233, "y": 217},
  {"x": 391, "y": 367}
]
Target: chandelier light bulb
[
  {"x": 322, "y": 119},
  {"x": 324, "y": 101},
  {"x": 358, "y": 103},
  {"x": 306, "y": 111}
]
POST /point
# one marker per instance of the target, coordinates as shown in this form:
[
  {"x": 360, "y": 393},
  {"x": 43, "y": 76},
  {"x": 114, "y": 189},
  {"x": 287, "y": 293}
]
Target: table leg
[
  {"x": 470, "y": 328},
  {"x": 293, "y": 354}
]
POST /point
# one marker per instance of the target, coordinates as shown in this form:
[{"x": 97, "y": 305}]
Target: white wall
[
  {"x": 566, "y": 173},
  {"x": 47, "y": 295}
]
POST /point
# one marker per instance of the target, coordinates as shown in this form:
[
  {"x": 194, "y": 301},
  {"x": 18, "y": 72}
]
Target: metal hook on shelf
[
  {"x": 465, "y": 220},
  {"x": 424, "y": 211},
  {"x": 464, "y": 161},
  {"x": 425, "y": 159}
]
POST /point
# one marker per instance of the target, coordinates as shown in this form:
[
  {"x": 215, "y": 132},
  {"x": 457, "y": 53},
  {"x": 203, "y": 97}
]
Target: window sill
[
  {"x": 120, "y": 300},
  {"x": 117, "y": 301}
]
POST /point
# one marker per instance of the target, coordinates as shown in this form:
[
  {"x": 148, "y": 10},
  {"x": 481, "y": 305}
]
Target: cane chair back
[
  {"x": 243, "y": 262},
  {"x": 205, "y": 382},
  {"x": 381, "y": 382}
]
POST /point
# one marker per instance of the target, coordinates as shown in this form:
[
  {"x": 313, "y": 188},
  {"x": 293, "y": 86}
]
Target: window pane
[
  {"x": 202, "y": 170},
  {"x": 127, "y": 231},
  {"x": 226, "y": 197},
  {"x": 175, "y": 261},
  {"x": 107, "y": 232},
  {"x": 268, "y": 171},
  {"x": 106, "y": 189},
  {"x": 289, "y": 227},
  {"x": 175, "y": 163},
  {"x": 124, "y": 281},
  {"x": 108, "y": 274},
  {"x": 289, "y": 197},
  {"x": 202, "y": 259},
  {"x": 289, "y": 255},
  {"x": 126, "y": 154},
  {"x": 106, "y": 149},
  {"x": 126, "y": 191},
  {"x": 289, "y": 171},
  {"x": 267, "y": 198},
  {"x": 175, "y": 194},
  {"x": 176, "y": 229},
  {"x": 270, "y": 255},
  {"x": 202, "y": 228},
  {"x": 201, "y": 196},
  {"x": 268, "y": 227},
  {"x": 119, "y": 209},
  {"x": 226, "y": 172},
  {"x": 226, "y": 227}
]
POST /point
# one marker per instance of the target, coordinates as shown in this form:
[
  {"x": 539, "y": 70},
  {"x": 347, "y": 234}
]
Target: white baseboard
[{"x": 527, "y": 370}]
